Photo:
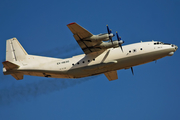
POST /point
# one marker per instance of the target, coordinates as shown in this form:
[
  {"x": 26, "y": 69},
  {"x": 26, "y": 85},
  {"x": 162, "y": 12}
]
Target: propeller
[
  {"x": 132, "y": 71},
  {"x": 119, "y": 41},
  {"x": 110, "y": 34}
]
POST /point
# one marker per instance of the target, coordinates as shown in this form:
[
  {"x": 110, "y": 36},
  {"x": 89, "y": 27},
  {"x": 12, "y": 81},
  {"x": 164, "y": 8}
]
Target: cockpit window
[
  {"x": 167, "y": 44},
  {"x": 157, "y": 43}
]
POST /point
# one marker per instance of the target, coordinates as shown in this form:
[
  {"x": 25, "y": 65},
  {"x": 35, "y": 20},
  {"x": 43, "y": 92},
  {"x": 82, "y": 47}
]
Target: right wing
[{"x": 112, "y": 75}]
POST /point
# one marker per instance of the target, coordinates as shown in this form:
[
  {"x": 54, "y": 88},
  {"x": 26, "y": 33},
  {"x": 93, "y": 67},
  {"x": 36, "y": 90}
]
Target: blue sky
[{"x": 40, "y": 26}]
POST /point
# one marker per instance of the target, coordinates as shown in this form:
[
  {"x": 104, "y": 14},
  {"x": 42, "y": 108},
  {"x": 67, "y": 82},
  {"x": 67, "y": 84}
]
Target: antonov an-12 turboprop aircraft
[{"x": 101, "y": 57}]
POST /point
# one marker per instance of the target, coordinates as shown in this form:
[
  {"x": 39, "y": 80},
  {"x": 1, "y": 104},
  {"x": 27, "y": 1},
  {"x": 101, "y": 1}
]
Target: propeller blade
[
  {"x": 111, "y": 40},
  {"x": 109, "y": 32},
  {"x": 119, "y": 38},
  {"x": 108, "y": 29},
  {"x": 132, "y": 71},
  {"x": 121, "y": 47}
]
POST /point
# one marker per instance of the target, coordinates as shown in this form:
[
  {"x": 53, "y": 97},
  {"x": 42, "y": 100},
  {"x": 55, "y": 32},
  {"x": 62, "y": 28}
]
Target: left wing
[
  {"x": 86, "y": 40},
  {"x": 78, "y": 30}
]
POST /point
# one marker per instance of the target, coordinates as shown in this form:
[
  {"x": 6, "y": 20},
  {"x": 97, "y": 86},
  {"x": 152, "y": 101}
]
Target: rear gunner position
[{"x": 101, "y": 55}]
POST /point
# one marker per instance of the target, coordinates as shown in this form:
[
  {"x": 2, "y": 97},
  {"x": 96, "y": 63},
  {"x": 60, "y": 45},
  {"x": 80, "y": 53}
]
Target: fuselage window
[
  {"x": 130, "y": 51},
  {"x": 93, "y": 59},
  {"x": 67, "y": 61},
  {"x": 88, "y": 60},
  {"x": 134, "y": 50},
  {"x": 73, "y": 64},
  {"x": 140, "y": 48},
  {"x": 78, "y": 63},
  {"x": 83, "y": 62}
]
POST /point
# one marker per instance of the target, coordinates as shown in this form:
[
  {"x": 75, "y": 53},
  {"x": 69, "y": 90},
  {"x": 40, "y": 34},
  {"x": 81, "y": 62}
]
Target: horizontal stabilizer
[{"x": 9, "y": 65}]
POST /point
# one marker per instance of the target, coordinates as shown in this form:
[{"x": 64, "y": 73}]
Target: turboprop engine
[
  {"x": 115, "y": 44},
  {"x": 100, "y": 37},
  {"x": 106, "y": 37}
]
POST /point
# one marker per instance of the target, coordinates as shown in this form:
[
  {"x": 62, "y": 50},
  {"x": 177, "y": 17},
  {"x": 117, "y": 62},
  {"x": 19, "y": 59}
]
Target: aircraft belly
[
  {"x": 46, "y": 73},
  {"x": 91, "y": 70}
]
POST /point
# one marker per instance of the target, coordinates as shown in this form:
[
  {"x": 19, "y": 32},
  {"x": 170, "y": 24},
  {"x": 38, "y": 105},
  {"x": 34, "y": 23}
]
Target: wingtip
[{"x": 71, "y": 23}]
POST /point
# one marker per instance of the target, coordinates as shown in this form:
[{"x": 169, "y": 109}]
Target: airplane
[{"x": 102, "y": 55}]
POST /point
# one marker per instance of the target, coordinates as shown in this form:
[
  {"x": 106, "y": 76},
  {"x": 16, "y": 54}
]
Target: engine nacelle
[
  {"x": 110, "y": 45},
  {"x": 100, "y": 37}
]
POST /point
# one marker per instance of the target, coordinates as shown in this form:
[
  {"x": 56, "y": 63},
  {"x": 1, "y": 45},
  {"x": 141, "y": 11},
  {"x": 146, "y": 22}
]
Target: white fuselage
[{"x": 95, "y": 63}]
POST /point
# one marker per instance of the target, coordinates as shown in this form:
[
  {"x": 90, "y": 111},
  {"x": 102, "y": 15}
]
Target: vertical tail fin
[{"x": 14, "y": 50}]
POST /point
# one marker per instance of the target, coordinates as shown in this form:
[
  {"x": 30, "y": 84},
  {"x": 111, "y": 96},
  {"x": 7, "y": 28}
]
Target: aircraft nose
[{"x": 176, "y": 47}]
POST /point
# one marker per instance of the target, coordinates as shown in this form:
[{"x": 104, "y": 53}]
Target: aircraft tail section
[
  {"x": 14, "y": 50},
  {"x": 8, "y": 66}
]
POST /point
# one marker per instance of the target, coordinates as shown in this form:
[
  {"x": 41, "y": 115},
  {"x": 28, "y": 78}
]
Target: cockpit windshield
[{"x": 157, "y": 43}]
